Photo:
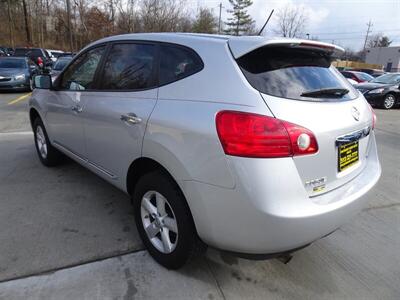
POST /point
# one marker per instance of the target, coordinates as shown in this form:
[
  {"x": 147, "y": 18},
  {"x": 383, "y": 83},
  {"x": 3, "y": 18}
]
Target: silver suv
[{"x": 251, "y": 145}]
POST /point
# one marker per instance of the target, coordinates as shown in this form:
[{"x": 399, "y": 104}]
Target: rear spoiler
[{"x": 242, "y": 45}]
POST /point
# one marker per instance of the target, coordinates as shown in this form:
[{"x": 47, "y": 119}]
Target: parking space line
[{"x": 19, "y": 99}]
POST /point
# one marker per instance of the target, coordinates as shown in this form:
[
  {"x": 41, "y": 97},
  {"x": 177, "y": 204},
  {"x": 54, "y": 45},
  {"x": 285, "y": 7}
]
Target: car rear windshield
[
  {"x": 12, "y": 63},
  {"x": 290, "y": 72},
  {"x": 28, "y": 52}
]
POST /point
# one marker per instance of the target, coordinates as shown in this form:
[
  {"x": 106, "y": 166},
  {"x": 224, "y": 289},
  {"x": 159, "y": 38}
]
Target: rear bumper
[{"x": 269, "y": 210}]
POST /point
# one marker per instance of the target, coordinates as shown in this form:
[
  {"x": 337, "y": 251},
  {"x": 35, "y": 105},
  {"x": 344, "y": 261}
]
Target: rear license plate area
[{"x": 348, "y": 155}]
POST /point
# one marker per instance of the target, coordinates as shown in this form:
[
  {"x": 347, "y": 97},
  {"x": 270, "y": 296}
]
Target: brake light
[
  {"x": 252, "y": 135},
  {"x": 373, "y": 116},
  {"x": 316, "y": 45},
  {"x": 40, "y": 61}
]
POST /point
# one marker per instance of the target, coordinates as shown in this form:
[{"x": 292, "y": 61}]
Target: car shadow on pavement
[{"x": 57, "y": 217}]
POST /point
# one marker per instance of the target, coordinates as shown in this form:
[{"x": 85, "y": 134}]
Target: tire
[
  {"x": 48, "y": 155},
  {"x": 389, "y": 101},
  {"x": 171, "y": 237},
  {"x": 30, "y": 87}
]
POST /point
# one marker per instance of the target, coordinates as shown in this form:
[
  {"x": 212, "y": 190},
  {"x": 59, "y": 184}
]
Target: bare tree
[
  {"x": 378, "y": 40},
  {"x": 291, "y": 21},
  {"x": 161, "y": 16}
]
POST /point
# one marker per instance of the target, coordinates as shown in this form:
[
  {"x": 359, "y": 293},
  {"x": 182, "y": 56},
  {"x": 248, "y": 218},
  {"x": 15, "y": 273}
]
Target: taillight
[
  {"x": 253, "y": 135},
  {"x": 373, "y": 116},
  {"x": 40, "y": 61}
]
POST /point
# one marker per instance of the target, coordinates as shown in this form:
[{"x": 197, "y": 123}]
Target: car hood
[
  {"x": 6, "y": 72},
  {"x": 371, "y": 85}
]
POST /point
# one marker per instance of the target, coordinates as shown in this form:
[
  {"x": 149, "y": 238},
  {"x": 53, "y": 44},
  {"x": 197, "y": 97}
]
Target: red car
[{"x": 357, "y": 76}]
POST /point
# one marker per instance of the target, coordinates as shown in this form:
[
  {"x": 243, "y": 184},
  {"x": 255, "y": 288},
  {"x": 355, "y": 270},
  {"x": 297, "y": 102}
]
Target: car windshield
[
  {"x": 295, "y": 73},
  {"x": 388, "y": 79},
  {"x": 60, "y": 64},
  {"x": 12, "y": 64}
]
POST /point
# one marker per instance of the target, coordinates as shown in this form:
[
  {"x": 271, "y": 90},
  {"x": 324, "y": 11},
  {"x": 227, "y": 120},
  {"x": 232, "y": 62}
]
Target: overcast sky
[{"x": 343, "y": 21}]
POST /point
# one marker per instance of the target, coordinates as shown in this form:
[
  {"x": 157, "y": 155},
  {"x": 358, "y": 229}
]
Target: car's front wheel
[
  {"x": 48, "y": 155},
  {"x": 164, "y": 220},
  {"x": 389, "y": 101}
]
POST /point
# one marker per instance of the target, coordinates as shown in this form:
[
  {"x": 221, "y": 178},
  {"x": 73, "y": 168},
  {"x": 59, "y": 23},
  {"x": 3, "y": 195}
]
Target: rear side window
[
  {"x": 129, "y": 67},
  {"x": 288, "y": 72},
  {"x": 177, "y": 62}
]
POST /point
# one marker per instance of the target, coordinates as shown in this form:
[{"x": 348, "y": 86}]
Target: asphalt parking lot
[{"x": 66, "y": 234}]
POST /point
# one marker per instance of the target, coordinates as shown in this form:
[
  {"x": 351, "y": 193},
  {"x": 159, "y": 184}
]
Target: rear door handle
[
  {"x": 130, "y": 118},
  {"x": 77, "y": 108}
]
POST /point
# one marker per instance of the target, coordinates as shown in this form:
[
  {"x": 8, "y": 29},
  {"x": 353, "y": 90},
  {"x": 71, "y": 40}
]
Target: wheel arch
[
  {"x": 141, "y": 166},
  {"x": 33, "y": 114}
]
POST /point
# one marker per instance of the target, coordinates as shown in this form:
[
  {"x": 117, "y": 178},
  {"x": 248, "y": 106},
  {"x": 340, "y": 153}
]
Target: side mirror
[{"x": 42, "y": 82}]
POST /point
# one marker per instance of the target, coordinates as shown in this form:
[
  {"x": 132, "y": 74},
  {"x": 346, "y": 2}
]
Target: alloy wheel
[
  {"x": 41, "y": 142},
  {"x": 389, "y": 101},
  {"x": 159, "y": 222}
]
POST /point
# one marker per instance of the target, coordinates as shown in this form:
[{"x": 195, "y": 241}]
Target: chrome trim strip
[
  {"x": 84, "y": 160},
  {"x": 69, "y": 151},
  {"x": 104, "y": 171},
  {"x": 354, "y": 136}
]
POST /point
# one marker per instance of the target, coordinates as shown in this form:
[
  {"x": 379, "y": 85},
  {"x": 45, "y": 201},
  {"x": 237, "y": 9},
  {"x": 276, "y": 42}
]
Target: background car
[
  {"x": 6, "y": 51},
  {"x": 16, "y": 73},
  {"x": 372, "y": 72},
  {"x": 353, "y": 82},
  {"x": 38, "y": 55},
  {"x": 59, "y": 65},
  {"x": 383, "y": 91},
  {"x": 357, "y": 76},
  {"x": 54, "y": 54}
]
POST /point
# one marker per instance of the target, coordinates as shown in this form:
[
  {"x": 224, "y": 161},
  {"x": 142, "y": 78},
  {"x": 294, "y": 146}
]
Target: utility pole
[
  {"x": 219, "y": 20},
  {"x": 366, "y": 36},
  {"x": 69, "y": 25}
]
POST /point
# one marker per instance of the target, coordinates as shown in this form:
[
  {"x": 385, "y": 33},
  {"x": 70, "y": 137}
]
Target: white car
[{"x": 252, "y": 145}]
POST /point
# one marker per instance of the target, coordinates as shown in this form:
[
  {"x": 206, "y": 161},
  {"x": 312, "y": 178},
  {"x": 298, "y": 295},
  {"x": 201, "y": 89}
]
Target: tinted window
[
  {"x": 80, "y": 74},
  {"x": 28, "y": 52},
  {"x": 288, "y": 72},
  {"x": 129, "y": 67},
  {"x": 12, "y": 63},
  {"x": 177, "y": 63},
  {"x": 60, "y": 64}
]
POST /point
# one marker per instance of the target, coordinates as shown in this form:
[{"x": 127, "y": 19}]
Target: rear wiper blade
[{"x": 326, "y": 93}]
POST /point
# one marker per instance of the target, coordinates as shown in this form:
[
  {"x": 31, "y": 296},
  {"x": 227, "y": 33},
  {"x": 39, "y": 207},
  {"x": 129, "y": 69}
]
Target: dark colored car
[
  {"x": 383, "y": 91},
  {"x": 357, "y": 76},
  {"x": 59, "y": 65},
  {"x": 38, "y": 55},
  {"x": 16, "y": 73},
  {"x": 5, "y": 51}
]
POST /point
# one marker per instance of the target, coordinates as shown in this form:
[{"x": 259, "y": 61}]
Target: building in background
[{"x": 389, "y": 57}]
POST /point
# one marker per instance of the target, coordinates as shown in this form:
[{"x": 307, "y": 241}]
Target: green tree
[
  {"x": 240, "y": 21},
  {"x": 205, "y": 21}
]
